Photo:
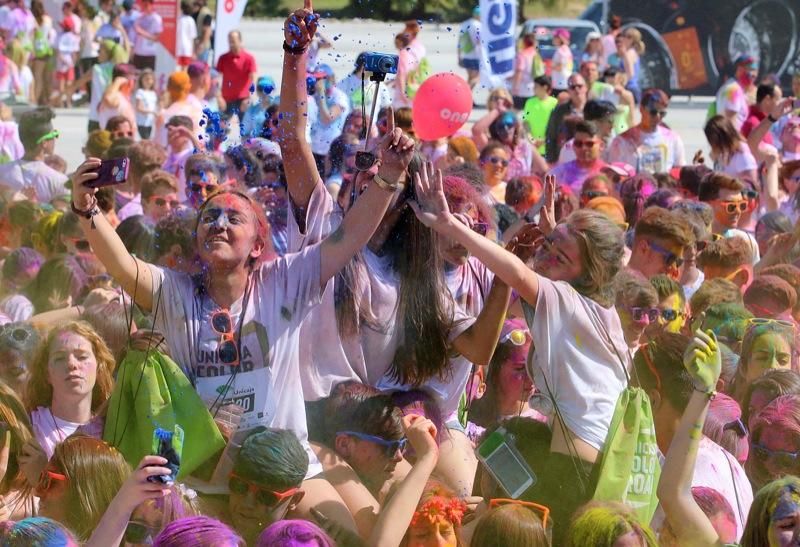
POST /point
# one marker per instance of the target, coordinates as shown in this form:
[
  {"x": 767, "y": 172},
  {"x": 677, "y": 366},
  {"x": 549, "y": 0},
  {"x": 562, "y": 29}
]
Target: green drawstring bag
[
  {"x": 155, "y": 393},
  {"x": 628, "y": 468}
]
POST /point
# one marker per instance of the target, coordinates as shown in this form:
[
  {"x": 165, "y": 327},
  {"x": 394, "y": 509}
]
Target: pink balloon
[{"x": 442, "y": 105}]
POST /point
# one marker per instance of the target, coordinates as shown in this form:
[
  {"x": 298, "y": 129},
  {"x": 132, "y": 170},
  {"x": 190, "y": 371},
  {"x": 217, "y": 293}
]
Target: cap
[
  {"x": 609, "y": 206},
  {"x": 266, "y": 84},
  {"x": 265, "y": 146},
  {"x": 68, "y": 24},
  {"x": 745, "y": 59},
  {"x": 561, "y": 33},
  {"x": 620, "y": 168},
  {"x": 594, "y": 35}
]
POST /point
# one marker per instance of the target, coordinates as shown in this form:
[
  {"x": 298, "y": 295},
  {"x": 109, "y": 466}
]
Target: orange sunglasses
[{"x": 543, "y": 511}]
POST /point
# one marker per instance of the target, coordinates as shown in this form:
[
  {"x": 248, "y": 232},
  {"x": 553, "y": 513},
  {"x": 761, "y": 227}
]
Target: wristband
[
  {"x": 89, "y": 213},
  {"x": 293, "y": 50},
  {"x": 772, "y": 119},
  {"x": 709, "y": 393},
  {"x": 383, "y": 184}
]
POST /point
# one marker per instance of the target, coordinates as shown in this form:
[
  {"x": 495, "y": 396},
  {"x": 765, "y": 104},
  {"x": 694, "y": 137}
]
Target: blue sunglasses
[{"x": 390, "y": 447}]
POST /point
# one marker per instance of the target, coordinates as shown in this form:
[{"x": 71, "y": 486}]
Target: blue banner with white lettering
[{"x": 498, "y": 40}]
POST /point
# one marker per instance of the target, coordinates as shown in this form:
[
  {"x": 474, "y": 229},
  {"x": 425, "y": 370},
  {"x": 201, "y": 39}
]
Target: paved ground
[{"x": 264, "y": 37}]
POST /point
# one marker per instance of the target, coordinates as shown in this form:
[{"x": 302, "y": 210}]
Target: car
[{"x": 543, "y": 29}]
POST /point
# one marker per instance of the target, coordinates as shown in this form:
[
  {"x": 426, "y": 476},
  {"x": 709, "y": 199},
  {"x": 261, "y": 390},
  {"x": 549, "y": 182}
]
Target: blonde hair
[
  {"x": 636, "y": 40},
  {"x": 601, "y": 248},
  {"x": 497, "y": 94},
  {"x": 95, "y": 472},
  {"x": 39, "y": 391},
  {"x": 13, "y": 413}
]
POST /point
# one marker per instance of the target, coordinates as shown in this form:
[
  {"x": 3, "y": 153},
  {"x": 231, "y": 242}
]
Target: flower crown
[{"x": 438, "y": 508}]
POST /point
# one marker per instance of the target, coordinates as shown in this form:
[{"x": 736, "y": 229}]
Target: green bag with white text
[{"x": 628, "y": 468}]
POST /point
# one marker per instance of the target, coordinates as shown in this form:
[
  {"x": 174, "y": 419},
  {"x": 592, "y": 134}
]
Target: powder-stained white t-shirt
[
  {"x": 575, "y": 359},
  {"x": 267, "y": 385}
]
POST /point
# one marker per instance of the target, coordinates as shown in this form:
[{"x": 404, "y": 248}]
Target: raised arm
[
  {"x": 480, "y": 131},
  {"x": 686, "y": 518},
  {"x": 366, "y": 214},
  {"x": 298, "y": 161},
  {"x": 131, "y": 273},
  {"x": 395, "y": 516},
  {"x": 432, "y": 210}
]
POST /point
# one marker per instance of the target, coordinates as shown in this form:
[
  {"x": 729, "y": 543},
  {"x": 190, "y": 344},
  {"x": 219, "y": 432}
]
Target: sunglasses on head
[
  {"x": 734, "y": 206},
  {"x": 518, "y": 337},
  {"x": 47, "y": 480},
  {"x": 542, "y": 511},
  {"x": 497, "y": 161},
  {"x": 222, "y": 323},
  {"x": 390, "y": 447},
  {"x": 758, "y": 321},
  {"x": 139, "y": 532},
  {"x": 264, "y": 496},
  {"x": 18, "y": 334}
]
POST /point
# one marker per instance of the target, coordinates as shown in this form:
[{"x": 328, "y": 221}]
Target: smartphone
[
  {"x": 110, "y": 172},
  {"x": 504, "y": 462},
  {"x": 168, "y": 445}
]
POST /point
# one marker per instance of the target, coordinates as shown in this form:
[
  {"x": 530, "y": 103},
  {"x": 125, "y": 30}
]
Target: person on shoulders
[
  {"x": 587, "y": 162},
  {"x": 732, "y": 102}
]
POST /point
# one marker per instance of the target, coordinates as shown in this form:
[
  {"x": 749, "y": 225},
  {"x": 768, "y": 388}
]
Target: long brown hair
[
  {"x": 13, "y": 413},
  {"x": 425, "y": 306},
  {"x": 39, "y": 392},
  {"x": 95, "y": 472}
]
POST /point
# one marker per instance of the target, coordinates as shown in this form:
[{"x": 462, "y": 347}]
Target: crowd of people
[{"x": 275, "y": 339}]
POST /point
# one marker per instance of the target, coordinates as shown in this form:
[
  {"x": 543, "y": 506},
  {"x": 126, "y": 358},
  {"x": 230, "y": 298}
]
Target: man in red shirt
[
  {"x": 768, "y": 95},
  {"x": 238, "y": 69}
]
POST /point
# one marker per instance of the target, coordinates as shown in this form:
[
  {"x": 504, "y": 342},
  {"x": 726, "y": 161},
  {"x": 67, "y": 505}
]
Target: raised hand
[
  {"x": 526, "y": 241},
  {"x": 421, "y": 433},
  {"x": 138, "y": 489},
  {"x": 395, "y": 151},
  {"x": 703, "y": 360},
  {"x": 783, "y": 107},
  {"x": 430, "y": 205},
  {"x": 82, "y": 195},
  {"x": 547, "y": 216},
  {"x": 301, "y": 26}
]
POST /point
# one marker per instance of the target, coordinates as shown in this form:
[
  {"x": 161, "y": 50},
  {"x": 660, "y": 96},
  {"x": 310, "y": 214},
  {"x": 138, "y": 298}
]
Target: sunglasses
[
  {"x": 518, "y": 337},
  {"x": 48, "y": 136},
  {"x": 82, "y": 245},
  {"x": 573, "y": 87},
  {"x": 583, "y": 144},
  {"x": 138, "y": 532},
  {"x": 670, "y": 314},
  {"x": 638, "y": 313},
  {"x": 390, "y": 448},
  {"x": 670, "y": 258},
  {"x": 733, "y": 206},
  {"x": 759, "y": 321},
  {"x": 784, "y": 459},
  {"x": 264, "y": 496},
  {"x": 495, "y": 160},
  {"x": 737, "y": 426},
  {"x": 222, "y": 324},
  {"x": 199, "y": 187},
  {"x": 660, "y": 113},
  {"x": 162, "y": 202},
  {"x": 47, "y": 480},
  {"x": 542, "y": 511}
]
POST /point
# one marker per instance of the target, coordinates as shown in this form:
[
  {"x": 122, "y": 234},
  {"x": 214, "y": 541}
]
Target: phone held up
[
  {"x": 500, "y": 457},
  {"x": 110, "y": 172},
  {"x": 168, "y": 445}
]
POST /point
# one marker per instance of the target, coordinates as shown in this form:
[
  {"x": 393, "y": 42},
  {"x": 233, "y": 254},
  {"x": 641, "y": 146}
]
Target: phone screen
[{"x": 508, "y": 470}]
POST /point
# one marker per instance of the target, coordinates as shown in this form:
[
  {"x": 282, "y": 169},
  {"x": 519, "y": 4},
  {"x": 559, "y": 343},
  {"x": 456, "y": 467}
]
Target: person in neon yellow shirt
[{"x": 538, "y": 109}]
